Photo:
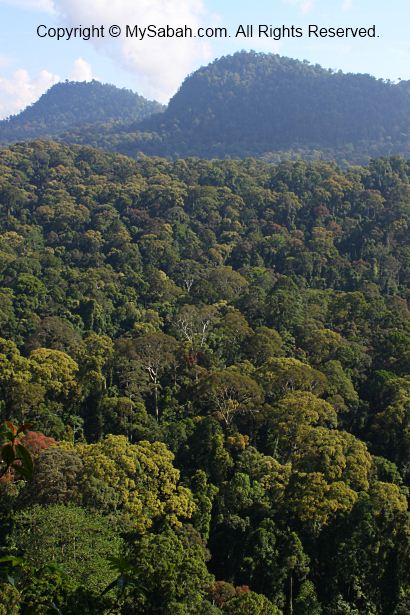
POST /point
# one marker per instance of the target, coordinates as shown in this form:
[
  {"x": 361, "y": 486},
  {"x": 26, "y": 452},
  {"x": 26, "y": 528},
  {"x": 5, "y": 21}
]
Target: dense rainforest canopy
[{"x": 214, "y": 358}]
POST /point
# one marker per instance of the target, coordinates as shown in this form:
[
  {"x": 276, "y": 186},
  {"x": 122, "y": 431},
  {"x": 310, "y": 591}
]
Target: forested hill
[
  {"x": 247, "y": 104},
  {"x": 71, "y": 105},
  {"x": 250, "y": 104},
  {"x": 265, "y": 105},
  {"x": 215, "y": 361}
]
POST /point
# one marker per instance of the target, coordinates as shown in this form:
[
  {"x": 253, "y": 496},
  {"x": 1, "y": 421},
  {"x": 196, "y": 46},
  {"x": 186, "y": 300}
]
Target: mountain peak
[{"x": 70, "y": 104}]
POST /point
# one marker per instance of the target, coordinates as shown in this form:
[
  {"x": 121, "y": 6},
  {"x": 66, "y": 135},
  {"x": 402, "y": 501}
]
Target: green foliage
[
  {"x": 9, "y": 599},
  {"x": 56, "y": 478},
  {"x": 230, "y": 393},
  {"x": 214, "y": 358},
  {"x": 78, "y": 541},
  {"x": 137, "y": 480},
  {"x": 167, "y": 573},
  {"x": 250, "y": 602}
]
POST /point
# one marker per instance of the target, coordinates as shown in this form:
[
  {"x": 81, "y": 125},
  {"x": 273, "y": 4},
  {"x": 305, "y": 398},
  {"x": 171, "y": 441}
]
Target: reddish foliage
[
  {"x": 221, "y": 592},
  {"x": 15, "y": 456},
  {"x": 277, "y": 228},
  {"x": 7, "y": 478},
  {"x": 335, "y": 228},
  {"x": 191, "y": 359},
  {"x": 35, "y": 442},
  {"x": 242, "y": 589},
  {"x": 321, "y": 211}
]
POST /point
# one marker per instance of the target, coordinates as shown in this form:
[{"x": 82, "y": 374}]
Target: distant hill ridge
[
  {"x": 253, "y": 103},
  {"x": 245, "y": 105},
  {"x": 71, "y": 104}
]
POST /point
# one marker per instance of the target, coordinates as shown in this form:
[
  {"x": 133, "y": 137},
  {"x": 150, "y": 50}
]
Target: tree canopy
[{"x": 209, "y": 365}]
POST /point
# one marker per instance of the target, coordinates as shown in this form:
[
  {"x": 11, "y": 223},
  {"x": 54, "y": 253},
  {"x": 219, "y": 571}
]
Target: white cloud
[
  {"x": 158, "y": 65},
  {"x": 304, "y": 6},
  {"x": 81, "y": 71},
  {"x": 20, "y": 90},
  {"x": 347, "y": 5},
  {"x": 307, "y": 6},
  {"x": 36, "y": 5}
]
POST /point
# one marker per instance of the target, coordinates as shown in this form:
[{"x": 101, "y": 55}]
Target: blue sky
[{"x": 155, "y": 68}]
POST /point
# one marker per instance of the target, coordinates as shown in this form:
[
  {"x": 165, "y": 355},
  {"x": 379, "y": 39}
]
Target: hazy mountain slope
[
  {"x": 250, "y": 104},
  {"x": 70, "y": 105}
]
